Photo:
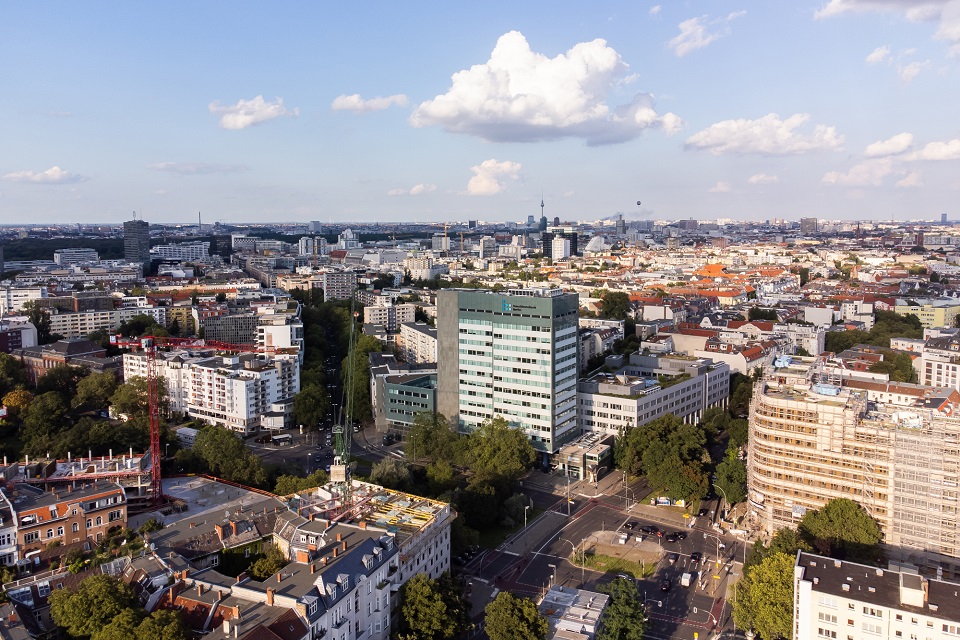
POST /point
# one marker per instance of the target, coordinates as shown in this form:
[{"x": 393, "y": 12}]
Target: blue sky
[{"x": 414, "y": 112}]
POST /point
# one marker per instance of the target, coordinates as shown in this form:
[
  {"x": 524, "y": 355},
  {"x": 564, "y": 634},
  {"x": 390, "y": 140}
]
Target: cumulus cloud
[
  {"x": 721, "y": 187},
  {"x": 878, "y": 55},
  {"x": 53, "y": 175},
  {"x": 910, "y": 71},
  {"x": 655, "y": 10},
  {"x": 768, "y": 135},
  {"x": 762, "y": 178},
  {"x": 949, "y": 150},
  {"x": 490, "y": 175},
  {"x": 196, "y": 168},
  {"x": 247, "y": 113},
  {"x": 519, "y": 95},
  {"x": 911, "y": 180},
  {"x": 863, "y": 174},
  {"x": 890, "y": 147},
  {"x": 697, "y": 33},
  {"x": 356, "y": 103},
  {"x": 415, "y": 190}
]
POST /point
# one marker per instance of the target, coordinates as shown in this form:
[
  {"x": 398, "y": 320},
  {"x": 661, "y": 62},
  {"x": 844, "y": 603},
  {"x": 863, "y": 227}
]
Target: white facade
[
  {"x": 390, "y": 317},
  {"x": 66, "y": 257},
  {"x": 417, "y": 343},
  {"x": 182, "y": 252},
  {"x": 82, "y": 323},
  {"x": 12, "y": 298}
]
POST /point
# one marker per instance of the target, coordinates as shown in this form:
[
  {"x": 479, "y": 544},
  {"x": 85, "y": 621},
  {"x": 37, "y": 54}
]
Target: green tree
[
  {"x": 40, "y": 318},
  {"x": 162, "y": 624},
  {"x": 509, "y": 617},
  {"x": 17, "y": 402},
  {"x": 624, "y": 617},
  {"x": 614, "y": 305},
  {"x": 62, "y": 379},
  {"x": 740, "y": 399},
  {"x": 786, "y": 541},
  {"x": 732, "y": 478},
  {"x": 670, "y": 453},
  {"x": 272, "y": 561},
  {"x": 122, "y": 627},
  {"x": 842, "y": 529},
  {"x": 12, "y": 374},
  {"x": 355, "y": 373},
  {"x": 739, "y": 431},
  {"x": 225, "y": 455},
  {"x": 432, "y": 437},
  {"x": 757, "y": 313},
  {"x": 44, "y": 420},
  {"x": 423, "y": 612},
  {"x": 94, "y": 391},
  {"x": 440, "y": 476},
  {"x": 311, "y": 406},
  {"x": 764, "y": 599},
  {"x": 91, "y": 607},
  {"x": 391, "y": 473},
  {"x": 292, "y": 484},
  {"x": 498, "y": 452}
]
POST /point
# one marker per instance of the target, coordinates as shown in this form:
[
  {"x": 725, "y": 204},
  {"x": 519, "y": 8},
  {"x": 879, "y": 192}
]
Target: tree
[
  {"x": 740, "y": 399},
  {"x": 739, "y": 432},
  {"x": 40, "y": 318},
  {"x": 624, "y": 617},
  {"x": 440, "y": 476},
  {"x": 787, "y": 541},
  {"x": 271, "y": 562},
  {"x": 431, "y": 436},
  {"x": 756, "y": 313},
  {"x": 292, "y": 484},
  {"x": 17, "y": 402},
  {"x": 511, "y": 618},
  {"x": 732, "y": 478},
  {"x": 46, "y": 418},
  {"x": 225, "y": 455},
  {"x": 842, "y": 529},
  {"x": 615, "y": 305},
  {"x": 94, "y": 391},
  {"x": 423, "y": 612},
  {"x": 764, "y": 599},
  {"x": 95, "y": 603},
  {"x": 12, "y": 374},
  {"x": 498, "y": 452},
  {"x": 62, "y": 379},
  {"x": 355, "y": 373},
  {"x": 162, "y": 624},
  {"x": 670, "y": 453},
  {"x": 311, "y": 406},
  {"x": 391, "y": 473}
]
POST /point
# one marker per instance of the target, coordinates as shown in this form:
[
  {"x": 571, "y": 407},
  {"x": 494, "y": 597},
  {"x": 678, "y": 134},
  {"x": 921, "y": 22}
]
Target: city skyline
[{"x": 839, "y": 109}]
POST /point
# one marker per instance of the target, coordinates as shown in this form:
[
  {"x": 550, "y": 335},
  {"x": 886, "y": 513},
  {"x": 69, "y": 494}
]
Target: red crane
[{"x": 149, "y": 344}]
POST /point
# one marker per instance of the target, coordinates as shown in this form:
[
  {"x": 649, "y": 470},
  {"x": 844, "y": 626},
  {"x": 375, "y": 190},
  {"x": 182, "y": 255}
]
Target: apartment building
[
  {"x": 83, "y": 323},
  {"x": 235, "y": 328},
  {"x": 511, "y": 354},
  {"x": 339, "y": 285},
  {"x": 136, "y": 242},
  {"x": 182, "y": 252},
  {"x": 390, "y": 317},
  {"x": 67, "y": 257},
  {"x": 66, "y": 515},
  {"x": 932, "y": 312},
  {"x": 417, "y": 342},
  {"x": 16, "y": 333},
  {"x": 236, "y": 392},
  {"x": 834, "y": 599},
  {"x": 37, "y": 360},
  {"x": 939, "y": 363},
  {"x": 12, "y": 298},
  {"x": 649, "y": 387},
  {"x": 818, "y": 433}
]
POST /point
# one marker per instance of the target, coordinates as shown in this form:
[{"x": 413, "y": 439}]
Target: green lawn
[{"x": 612, "y": 564}]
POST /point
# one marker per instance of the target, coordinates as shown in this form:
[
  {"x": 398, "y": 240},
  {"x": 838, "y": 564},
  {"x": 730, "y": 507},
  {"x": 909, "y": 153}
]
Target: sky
[{"x": 440, "y": 111}]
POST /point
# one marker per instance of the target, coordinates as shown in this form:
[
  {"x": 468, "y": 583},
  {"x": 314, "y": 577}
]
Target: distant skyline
[{"x": 840, "y": 109}]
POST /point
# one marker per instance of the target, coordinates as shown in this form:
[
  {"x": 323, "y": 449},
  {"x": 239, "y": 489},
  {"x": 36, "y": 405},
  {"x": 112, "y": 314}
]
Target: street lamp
[
  {"x": 583, "y": 559},
  {"x": 553, "y": 571},
  {"x": 309, "y": 464},
  {"x": 166, "y": 450},
  {"x": 525, "y": 509}
]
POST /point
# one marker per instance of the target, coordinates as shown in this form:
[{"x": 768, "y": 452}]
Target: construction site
[{"x": 817, "y": 433}]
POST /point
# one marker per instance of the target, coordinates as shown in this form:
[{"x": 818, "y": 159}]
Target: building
[
  {"x": 83, "y": 323},
  {"x": 573, "y": 614},
  {"x": 399, "y": 391},
  {"x": 182, "y": 252},
  {"x": 339, "y": 285},
  {"x": 136, "y": 243},
  {"x": 837, "y": 599},
  {"x": 236, "y": 392},
  {"x": 37, "y": 360},
  {"x": 235, "y": 328},
  {"x": 511, "y": 354},
  {"x": 819, "y": 431},
  {"x": 557, "y": 232},
  {"x": 935, "y": 312},
  {"x": 12, "y": 298},
  {"x": 417, "y": 342},
  {"x": 808, "y": 226},
  {"x": 390, "y": 317},
  {"x": 67, "y": 257},
  {"x": 648, "y": 387},
  {"x": 16, "y": 333}
]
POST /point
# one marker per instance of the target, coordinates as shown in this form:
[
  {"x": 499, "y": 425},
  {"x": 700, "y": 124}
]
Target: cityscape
[{"x": 485, "y": 322}]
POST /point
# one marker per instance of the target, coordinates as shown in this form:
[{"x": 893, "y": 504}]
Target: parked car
[
  {"x": 681, "y": 535},
  {"x": 665, "y": 585},
  {"x": 629, "y": 525},
  {"x": 673, "y": 557},
  {"x": 702, "y": 513},
  {"x": 671, "y": 537},
  {"x": 695, "y": 557}
]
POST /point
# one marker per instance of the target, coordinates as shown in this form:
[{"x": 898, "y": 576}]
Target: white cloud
[
  {"x": 569, "y": 194},
  {"x": 768, "y": 135},
  {"x": 519, "y": 95},
  {"x": 762, "y": 178},
  {"x": 196, "y": 168},
  {"x": 720, "y": 187},
  {"x": 53, "y": 175},
  {"x": 489, "y": 177},
  {"x": 890, "y": 147},
  {"x": 912, "y": 179},
  {"x": 415, "y": 190},
  {"x": 655, "y": 10},
  {"x": 878, "y": 55},
  {"x": 863, "y": 174},
  {"x": 945, "y": 12},
  {"x": 356, "y": 103},
  {"x": 247, "y": 113},
  {"x": 910, "y": 71},
  {"x": 697, "y": 33},
  {"x": 949, "y": 150}
]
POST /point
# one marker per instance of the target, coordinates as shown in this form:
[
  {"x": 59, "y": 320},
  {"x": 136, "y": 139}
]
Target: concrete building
[
  {"x": 573, "y": 614},
  {"x": 390, "y": 317},
  {"x": 339, "y": 285},
  {"x": 136, "y": 243},
  {"x": 182, "y": 252},
  {"x": 557, "y": 232},
  {"x": 511, "y": 354},
  {"x": 810, "y": 338},
  {"x": 399, "y": 391},
  {"x": 37, "y": 360},
  {"x": 648, "y": 387},
  {"x": 837, "y": 599},
  {"x": 417, "y": 342},
  {"x": 16, "y": 333},
  {"x": 67, "y": 257},
  {"x": 808, "y": 226},
  {"x": 83, "y": 323},
  {"x": 935, "y": 312},
  {"x": 818, "y": 433},
  {"x": 12, "y": 298},
  {"x": 235, "y": 328}
]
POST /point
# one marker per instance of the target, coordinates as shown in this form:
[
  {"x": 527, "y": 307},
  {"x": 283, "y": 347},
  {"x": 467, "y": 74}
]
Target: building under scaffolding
[
  {"x": 892, "y": 447},
  {"x": 131, "y": 471}
]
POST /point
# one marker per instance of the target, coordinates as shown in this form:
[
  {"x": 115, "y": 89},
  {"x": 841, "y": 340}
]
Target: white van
[{"x": 686, "y": 579}]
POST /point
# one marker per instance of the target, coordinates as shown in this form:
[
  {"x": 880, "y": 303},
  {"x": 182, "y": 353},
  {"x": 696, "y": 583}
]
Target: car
[
  {"x": 671, "y": 537},
  {"x": 665, "y": 585},
  {"x": 328, "y": 454},
  {"x": 673, "y": 557},
  {"x": 695, "y": 557},
  {"x": 629, "y": 525},
  {"x": 356, "y": 428},
  {"x": 681, "y": 535},
  {"x": 646, "y": 529},
  {"x": 702, "y": 513}
]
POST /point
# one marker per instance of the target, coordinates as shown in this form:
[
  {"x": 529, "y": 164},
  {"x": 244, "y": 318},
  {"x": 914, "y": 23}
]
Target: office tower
[
  {"x": 136, "y": 243},
  {"x": 943, "y": 218},
  {"x": 808, "y": 225},
  {"x": 513, "y": 355},
  {"x": 551, "y": 234}
]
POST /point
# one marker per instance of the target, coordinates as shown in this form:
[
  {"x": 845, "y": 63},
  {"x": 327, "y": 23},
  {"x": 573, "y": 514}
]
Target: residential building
[
  {"x": 37, "y": 360},
  {"x": 16, "y": 333},
  {"x": 417, "y": 342},
  {"x": 838, "y": 599},
  {"x": 12, "y": 298},
  {"x": 83, "y": 323},
  {"x": 339, "y": 285},
  {"x": 9, "y": 550},
  {"x": 235, "y": 328},
  {"x": 67, "y": 257},
  {"x": 136, "y": 243},
  {"x": 939, "y": 363},
  {"x": 280, "y": 331},
  {"x": 563, "y": 233},
  {"x": 819, "y": 431},
  {"x": 595, "y": 342},
  {"x": 648, "y": 387},
  {"x": 390, "y": 317},
  {"x": 932, "y": 312},
  {"x": 808, "y": 337},
  {"x": 510, "y": 355},
  {"x": 182, "y": 252}
]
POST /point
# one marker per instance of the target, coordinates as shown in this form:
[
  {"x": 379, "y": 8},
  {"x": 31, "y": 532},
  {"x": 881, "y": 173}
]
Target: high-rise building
[
  {"x": 136, "y": 243},
  {"x": 808, "y": 225},
  {"x": 512, "y": 355},
  {"x": 552, "y": 233}
]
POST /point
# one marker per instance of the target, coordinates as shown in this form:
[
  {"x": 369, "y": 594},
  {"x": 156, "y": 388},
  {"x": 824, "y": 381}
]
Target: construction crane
[
  {"x": 149, "y": 344},
  {"x": 340, "y": 469}
]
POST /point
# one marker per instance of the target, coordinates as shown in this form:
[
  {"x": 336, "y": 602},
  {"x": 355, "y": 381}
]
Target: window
[
  {"x": 826, "y": 633},
  {"x": 76, "y": 527},
  {"x": 870, "y": 611},
  {"x": 33, "y": 536},
  {"x": 869, "y": 627},
  {"x": 99, "y": 520},
  {"x": 49, "y": 533},
  {"x": 827, "y": 617},
  {"x": 60, "y": 532},
  {"x": 89, "y": 523}
]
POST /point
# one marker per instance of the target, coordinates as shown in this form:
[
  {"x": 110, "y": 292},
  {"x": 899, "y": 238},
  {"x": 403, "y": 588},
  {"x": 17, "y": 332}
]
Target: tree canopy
[
  {"x": 842, "y": 529},
  {"x": 226, "y": 456},
  {"x": 764, "y": 599},
  {"x": 614, "y": 305},
  {"x": 509, "y": 617},
  {"x": 624, "y": 617},
  {"x": 670, "y": 453},
  {"x": 432, "y": 609},
  {"x": 498, "y": 452}
]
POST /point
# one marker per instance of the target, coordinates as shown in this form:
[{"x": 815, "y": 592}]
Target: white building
[
  {"x": 182, "y": 252},
  {"x": 80, "y": 324},
  {"x": 810, "y": 338},
  {"x": 66, "y": 257},
  {"x": 12, "y": 298},
  {"x": 836, "y": 599},
  {"x": 417, "y": 342},
  {"x": 390, "y": 317}
]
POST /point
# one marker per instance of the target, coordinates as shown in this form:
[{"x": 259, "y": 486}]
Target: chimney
[
  {"x": 339, "y": 537},
  {"x": 270, "y": 593},
  {"x": 193, "y": 524},
  {"x": 363, "y": 524},
  {"x": 219, "y": 530},
  {"x": 219, "y": 594},
  {"x": 280, "y": 576},
  {"x": 313, "y": 568},
  {"x": 241, "y": 577},
  {"x": 236, "y": 612},
  {"x": 311, "y": 517},
  {"x": 185, "y": 573},
  {"x": 324, "y": 560},
  {"x": 344, "y": 547},
  {"x": 199, "y": 589},
  {"x": 335, "y": 550},
  {"x": 233, "y": 527}
]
